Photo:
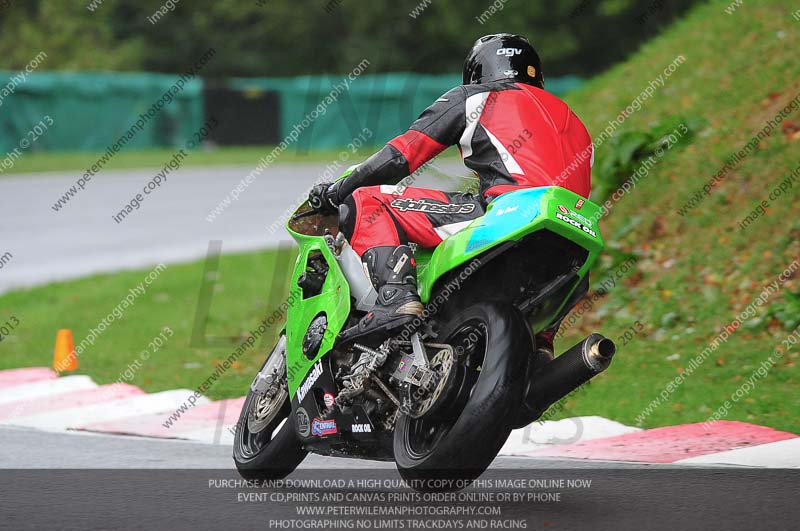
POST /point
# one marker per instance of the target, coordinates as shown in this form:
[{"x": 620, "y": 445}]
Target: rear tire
[
  {"x": 461, "y": 439},
  {"x": 265, "y": 446}
]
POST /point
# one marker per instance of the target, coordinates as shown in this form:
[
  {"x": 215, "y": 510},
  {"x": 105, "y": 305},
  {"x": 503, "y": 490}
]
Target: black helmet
[{"x": 503, "y": 56}]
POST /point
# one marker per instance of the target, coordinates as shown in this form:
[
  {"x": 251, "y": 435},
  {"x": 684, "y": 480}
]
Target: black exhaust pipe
[{"x": 567, "y": 372}]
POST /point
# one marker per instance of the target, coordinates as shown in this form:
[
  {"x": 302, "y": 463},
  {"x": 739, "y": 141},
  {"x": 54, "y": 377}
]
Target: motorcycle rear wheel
[{"x": 461, "y": 439}]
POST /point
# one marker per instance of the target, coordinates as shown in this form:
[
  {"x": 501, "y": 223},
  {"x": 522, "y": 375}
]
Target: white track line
[
  {"x": 781, "y": 454},
  {"x": 551, "y": 433},
  {"x": 45, "y": 387},
  {"x": 203, "y": 427},
  {"x": 164, "y": 402},
  {"x": 211, "y": 435}
]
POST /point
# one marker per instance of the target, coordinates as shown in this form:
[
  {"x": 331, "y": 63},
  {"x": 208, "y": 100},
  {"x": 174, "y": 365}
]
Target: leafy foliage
[
  {"x": 698, "y": 272},
  {"x": 293, "y": 37},
  {"x": 787, "y": 311},
  {"x": 628, "y": 148}
]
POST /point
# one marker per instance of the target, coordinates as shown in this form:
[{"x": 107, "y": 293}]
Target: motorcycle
[{"x": 441, "y": 398}]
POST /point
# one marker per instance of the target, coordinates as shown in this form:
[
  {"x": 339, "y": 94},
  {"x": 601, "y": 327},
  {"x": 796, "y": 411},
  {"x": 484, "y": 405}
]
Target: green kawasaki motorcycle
[{"x": 440, "y": 401}]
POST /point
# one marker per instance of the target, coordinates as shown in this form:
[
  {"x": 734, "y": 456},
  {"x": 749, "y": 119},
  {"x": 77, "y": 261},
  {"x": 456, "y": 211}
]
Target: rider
[{"x": 511, "y": 133}]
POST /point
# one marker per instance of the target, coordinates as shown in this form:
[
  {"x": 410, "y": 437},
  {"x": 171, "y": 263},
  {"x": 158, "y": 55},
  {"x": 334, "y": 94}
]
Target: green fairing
[
  {"x": 452, "y": 253},
  {"x": 333, "y": 300}
]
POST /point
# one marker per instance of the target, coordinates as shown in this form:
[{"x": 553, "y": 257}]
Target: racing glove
[{"x": 324, "y": 197}]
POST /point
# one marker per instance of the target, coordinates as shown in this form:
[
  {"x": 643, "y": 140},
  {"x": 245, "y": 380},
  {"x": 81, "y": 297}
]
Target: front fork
[{"x": 270, "y": 375}]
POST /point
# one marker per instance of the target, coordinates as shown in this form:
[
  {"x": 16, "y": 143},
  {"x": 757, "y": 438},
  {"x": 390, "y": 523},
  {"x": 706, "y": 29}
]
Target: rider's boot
[{"x": 393, "y": 273}]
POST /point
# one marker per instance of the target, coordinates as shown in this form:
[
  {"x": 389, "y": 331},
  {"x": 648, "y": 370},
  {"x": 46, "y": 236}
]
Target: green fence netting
[
  {"x": 90, "y": 111},
  {"x": 385, "y": 104}
]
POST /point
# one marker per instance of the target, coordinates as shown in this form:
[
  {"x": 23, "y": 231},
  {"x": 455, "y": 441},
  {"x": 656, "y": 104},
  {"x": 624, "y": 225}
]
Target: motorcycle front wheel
[
  {"x": 461, "y": 438},
  {"x": 265, "y": 445}
]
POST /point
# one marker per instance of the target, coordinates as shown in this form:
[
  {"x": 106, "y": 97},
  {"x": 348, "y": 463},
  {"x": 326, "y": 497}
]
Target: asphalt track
[
  {"x": 29, "y": 448},
  {"x": 74, "y": 481},
  {"x": 170, "y": 225}
]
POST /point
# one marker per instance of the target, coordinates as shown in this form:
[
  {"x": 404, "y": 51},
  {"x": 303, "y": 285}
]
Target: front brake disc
[
  {"x": 270, "y": 389},
  {"x": 265, "y": 407}
]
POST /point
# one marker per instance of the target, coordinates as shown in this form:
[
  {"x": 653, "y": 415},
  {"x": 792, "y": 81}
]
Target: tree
[{"x": 296, "y": 37}]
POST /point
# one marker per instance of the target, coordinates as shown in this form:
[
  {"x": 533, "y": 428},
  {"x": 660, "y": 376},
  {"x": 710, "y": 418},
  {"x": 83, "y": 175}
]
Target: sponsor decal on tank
[
  {"x": 577, "y": 224},
  {"x": 506, "y": 210},
  {"x": 303, "y": 423},
  {"x": 310, "y": 380},
  {"x": 321, "y": 428},
  {"x": 575, "y": 215}
]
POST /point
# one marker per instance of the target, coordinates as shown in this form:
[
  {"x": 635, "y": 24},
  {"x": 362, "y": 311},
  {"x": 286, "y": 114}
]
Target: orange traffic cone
[{"x": 64, "y": 357}]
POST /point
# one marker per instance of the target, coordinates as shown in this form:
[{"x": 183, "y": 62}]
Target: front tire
[
  {"x": 265, "y": 445},
  {"x": 461, "y": 438}
]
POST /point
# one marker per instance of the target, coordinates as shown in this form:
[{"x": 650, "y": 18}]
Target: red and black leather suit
[{"x": 512, "y": 135}]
